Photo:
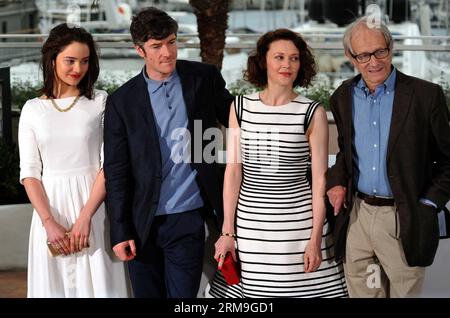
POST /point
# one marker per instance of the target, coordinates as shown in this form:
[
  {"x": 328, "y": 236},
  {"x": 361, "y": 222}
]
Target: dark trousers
[{"x": 170, "y": 263}]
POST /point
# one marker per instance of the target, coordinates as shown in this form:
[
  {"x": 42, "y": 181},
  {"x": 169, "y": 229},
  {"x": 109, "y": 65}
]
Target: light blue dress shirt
[
  {"x": 179, "y": 189},
  {"x": 371, "y": 116}
]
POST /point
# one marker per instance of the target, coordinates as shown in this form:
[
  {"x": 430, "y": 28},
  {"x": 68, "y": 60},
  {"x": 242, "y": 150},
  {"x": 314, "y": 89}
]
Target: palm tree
[{"x": 212, "y": 23}]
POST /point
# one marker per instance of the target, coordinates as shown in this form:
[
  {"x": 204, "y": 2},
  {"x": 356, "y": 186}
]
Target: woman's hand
[
  {"x": 79, "y": 234},
  {"x": 56, "y": 235},
  {"x": 224, "y": 245},
  {"x": 313, "y": 257}
]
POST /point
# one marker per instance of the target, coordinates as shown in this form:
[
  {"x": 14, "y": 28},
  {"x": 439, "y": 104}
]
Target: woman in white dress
[
  {"x": 283, "y": 238},
  {"x": 60, "y": 143}
]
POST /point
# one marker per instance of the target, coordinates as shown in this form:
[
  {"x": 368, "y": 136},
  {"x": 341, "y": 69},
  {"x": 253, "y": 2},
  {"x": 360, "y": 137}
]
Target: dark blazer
[
  {"x": 132, "y": 163},
  {"x": 418, "y": 163}
]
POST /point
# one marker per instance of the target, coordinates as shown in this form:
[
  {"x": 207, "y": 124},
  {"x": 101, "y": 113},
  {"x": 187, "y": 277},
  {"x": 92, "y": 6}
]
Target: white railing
[{"x": 244, "y": 41}]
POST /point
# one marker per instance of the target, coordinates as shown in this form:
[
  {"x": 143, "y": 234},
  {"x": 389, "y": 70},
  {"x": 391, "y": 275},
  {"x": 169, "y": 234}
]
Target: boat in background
[{"x": 95, "y": 16}]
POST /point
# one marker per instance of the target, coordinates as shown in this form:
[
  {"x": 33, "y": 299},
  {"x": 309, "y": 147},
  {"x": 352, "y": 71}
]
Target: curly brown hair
[{"x": 256, "y": 72}]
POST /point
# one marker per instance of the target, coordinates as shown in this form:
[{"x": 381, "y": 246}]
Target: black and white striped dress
[{"x": 274, "y": 212}]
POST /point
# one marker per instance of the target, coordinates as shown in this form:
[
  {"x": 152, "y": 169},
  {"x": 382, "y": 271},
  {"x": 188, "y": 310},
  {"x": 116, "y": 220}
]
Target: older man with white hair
[{"x": 392, "y": 172}]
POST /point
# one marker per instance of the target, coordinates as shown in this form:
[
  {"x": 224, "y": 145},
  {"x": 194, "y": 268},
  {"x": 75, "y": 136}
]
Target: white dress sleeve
[{"x": 30, "y": 158}]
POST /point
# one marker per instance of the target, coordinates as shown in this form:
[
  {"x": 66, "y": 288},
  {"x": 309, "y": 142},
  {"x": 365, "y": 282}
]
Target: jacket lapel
[
  {"x": 188, "y": 84},
  {"x": 400, "y": 110},
  {"x": 346, "y": 113},
  {"x": 145, "y": 108}
]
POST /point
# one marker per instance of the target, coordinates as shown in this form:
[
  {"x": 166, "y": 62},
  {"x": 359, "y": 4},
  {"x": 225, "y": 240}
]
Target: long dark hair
[
  {"x": 256, "y": 72},
  {"x": 61, "y": 36}
]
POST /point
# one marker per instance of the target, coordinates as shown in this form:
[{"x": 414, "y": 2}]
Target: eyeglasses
[{"x": 365, "y": 57}]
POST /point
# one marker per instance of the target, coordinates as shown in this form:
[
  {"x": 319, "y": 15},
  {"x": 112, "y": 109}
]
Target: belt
[{"x": 376, "y": 201}]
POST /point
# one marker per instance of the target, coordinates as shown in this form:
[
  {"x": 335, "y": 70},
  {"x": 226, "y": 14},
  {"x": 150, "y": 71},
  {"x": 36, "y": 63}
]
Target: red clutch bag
[{"x": 231, "y": 270}]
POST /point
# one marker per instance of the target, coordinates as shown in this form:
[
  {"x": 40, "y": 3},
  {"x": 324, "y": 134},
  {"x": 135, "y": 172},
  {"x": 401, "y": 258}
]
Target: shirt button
[
  {"x": 374, "y": 123},
  {"x": 374, "y": 168},
  {"x": 374, "y": 101},
  {"x": 387, "y": 92},
  {"x": 375, "y": 145},
  {"x": 374, "y": 190}
]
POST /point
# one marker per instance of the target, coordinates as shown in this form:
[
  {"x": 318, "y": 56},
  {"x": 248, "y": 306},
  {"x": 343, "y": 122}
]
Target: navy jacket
[{"x": 132, "y": 164}]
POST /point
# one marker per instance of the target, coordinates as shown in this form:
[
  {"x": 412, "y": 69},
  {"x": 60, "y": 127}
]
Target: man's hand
[
  {"x": 336, "y": 195},
  {"x": 125, "y": 251}
]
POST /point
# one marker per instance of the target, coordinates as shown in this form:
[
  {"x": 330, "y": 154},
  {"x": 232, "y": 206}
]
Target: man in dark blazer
[
  {"x": 158, "y": 183},
  {"x": 392, "y": 172}
]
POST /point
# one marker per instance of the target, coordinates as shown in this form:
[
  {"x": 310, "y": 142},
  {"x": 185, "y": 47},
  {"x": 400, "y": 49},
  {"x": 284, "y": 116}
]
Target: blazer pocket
[{"x": 427, "y": 233}]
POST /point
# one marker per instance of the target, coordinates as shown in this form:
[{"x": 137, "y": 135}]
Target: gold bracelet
[{"x": 228, "y": 234}]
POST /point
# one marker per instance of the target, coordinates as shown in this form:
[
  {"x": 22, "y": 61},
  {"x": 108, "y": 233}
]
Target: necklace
[{"x": 64, "y": 109}]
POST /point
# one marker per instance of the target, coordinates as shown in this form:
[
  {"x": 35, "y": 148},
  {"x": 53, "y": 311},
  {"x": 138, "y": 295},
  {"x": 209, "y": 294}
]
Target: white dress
[{"x": 64, "y": 151}]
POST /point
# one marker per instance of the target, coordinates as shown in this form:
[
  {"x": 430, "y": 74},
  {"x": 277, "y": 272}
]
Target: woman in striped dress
[{"x": 284, "y": 243}]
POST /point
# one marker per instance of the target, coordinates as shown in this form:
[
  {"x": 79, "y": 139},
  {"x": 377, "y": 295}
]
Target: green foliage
[
  {"x": 241, "y": 87},
  {"x": 23, "y": 91},
  {"x": 108, "y": 85},
  {"x": 319, "y": 91},
  {"x": 9, "y": 173}
]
